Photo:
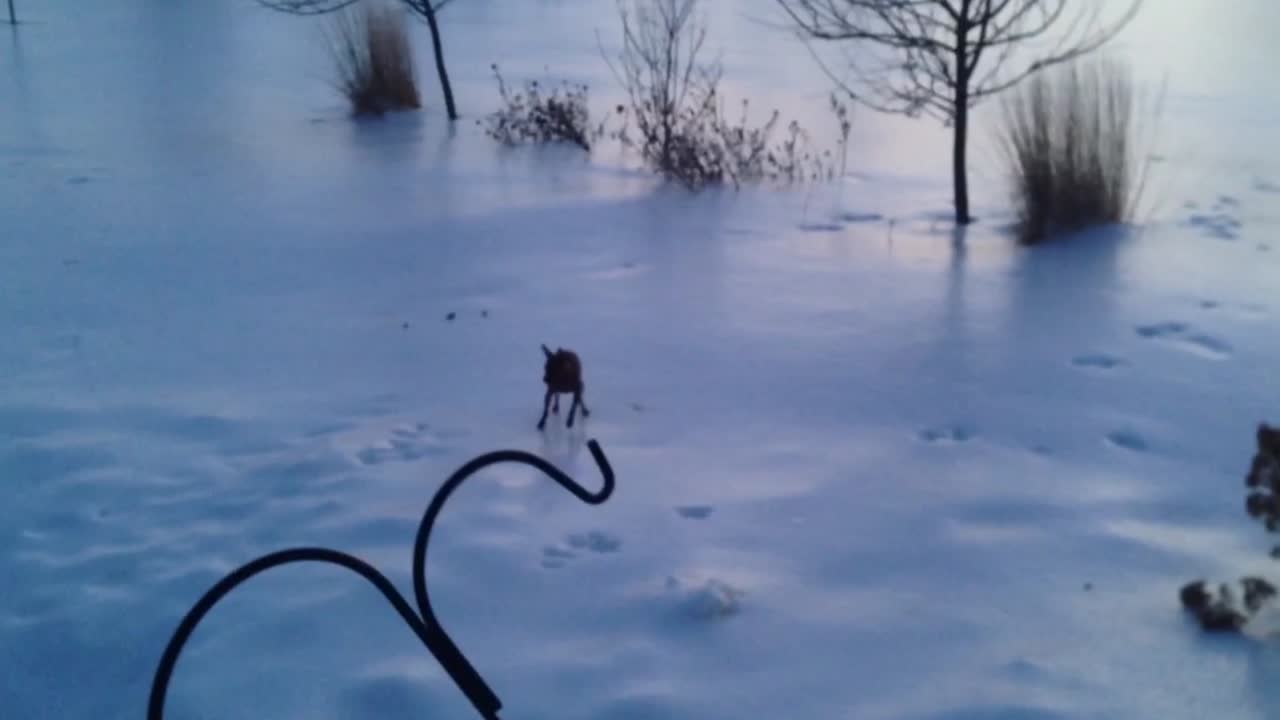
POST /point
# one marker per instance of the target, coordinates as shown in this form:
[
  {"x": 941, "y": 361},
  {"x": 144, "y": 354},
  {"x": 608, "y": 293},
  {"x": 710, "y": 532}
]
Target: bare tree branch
[
  {"x": 948, "y": 55},
  {"x": 307, "y": 7}
]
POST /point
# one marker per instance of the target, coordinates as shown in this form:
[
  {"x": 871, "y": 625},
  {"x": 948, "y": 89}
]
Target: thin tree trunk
[
  {"x": 959, "y": 169},
  {"x": 960, "y": 136},
  {"x": 13, "y": 18},
  {"x": 439, "y": 52}
]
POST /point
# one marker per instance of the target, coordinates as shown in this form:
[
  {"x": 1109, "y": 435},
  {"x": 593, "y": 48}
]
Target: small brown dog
[{"x": 562, "y": 374}]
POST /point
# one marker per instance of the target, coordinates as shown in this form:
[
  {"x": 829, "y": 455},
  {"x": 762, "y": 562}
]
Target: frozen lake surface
[{"x": 862, "y": 472}]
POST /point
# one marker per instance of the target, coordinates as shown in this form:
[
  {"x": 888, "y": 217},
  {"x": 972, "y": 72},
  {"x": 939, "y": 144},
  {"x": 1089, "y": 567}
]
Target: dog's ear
[
  {"x": 546, "y": 352},
  {"x": 1268, "y": 439}
]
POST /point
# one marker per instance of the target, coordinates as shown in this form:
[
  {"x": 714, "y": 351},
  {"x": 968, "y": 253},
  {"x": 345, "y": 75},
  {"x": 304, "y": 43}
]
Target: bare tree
[
  {"x": 664, "y": 80},
  {"x": 945, "y": 56},
  {"x": 674, "y": 116},
  {"x": 13, "y": 17},
  {"x": 426, "y": 9}
]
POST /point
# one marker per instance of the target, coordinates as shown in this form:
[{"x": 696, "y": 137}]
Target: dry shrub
[
  {"x": 373, "y": 59},
  {"x": 541, "y": 115},
  {"x": 674, "y": 117},
  {"x": 1069, "y": 137}
]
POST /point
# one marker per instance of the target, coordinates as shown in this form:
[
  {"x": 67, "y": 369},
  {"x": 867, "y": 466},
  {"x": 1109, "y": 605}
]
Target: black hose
[{"x": 423, "y": 623}]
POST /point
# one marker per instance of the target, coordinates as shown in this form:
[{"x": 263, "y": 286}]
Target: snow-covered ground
[{"x": 862, "y": 472}]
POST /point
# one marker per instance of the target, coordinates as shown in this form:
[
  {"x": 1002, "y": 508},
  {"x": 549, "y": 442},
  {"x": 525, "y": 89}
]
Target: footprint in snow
[
  {"x": 1181, "y": 333},
  {"x": 820, "y": 227},
  {"x": 1127, "y": 440},
  {"x": 555, "y": 557},
  {"x": 1099, "y": 361},
  {"x": 1266, "y": 186},
  {"x": 694, "y": 512},
  {"x": 710, "y": 599},
  {"x": 78, "y": 180},
  {"x": 1208, "y": 346},
  {"x": 595, "y": 541},
  {"x": 405, "y": 444},
  {"x": 626, "y": 269},
  {"x": 864, "y": 217},
  {"x": 954, "y": 434},
  {"x": 1218, "y": 222},
  {"x": 1161, "y": 330}
]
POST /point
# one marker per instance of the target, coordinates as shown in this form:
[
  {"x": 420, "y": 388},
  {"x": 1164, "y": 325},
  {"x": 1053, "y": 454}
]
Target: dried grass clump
[
  {"x": 1069, "y": 138},
  {"x": 373, "y": 59}
]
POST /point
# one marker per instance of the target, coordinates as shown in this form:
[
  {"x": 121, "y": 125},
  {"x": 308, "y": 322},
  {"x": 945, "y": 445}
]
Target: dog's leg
[
  {"x": 546, "y": 403},
  {"x": 583, "y": 403},
  {"x": 577, "y": 398},
  {"x": 555, "y": 405}
]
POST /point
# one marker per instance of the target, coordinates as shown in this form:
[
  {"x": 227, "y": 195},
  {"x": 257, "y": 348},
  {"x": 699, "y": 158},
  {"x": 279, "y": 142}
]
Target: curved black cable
[
  {"x": 464, "y": 675},
  {"x": 160, "y": 685},
  {"x": 423, "y": 623}
]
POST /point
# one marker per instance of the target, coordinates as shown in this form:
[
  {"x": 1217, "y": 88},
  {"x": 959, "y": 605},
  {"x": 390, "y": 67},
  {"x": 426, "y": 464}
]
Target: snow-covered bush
[
  {"x": 373, "y": 59},
  {"x": 1069, "y": 138},
  {"x": 539, "y": 115}
]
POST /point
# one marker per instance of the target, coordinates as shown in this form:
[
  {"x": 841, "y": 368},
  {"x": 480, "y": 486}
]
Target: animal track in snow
[
  {"x": 711, "y": 599},
  {"x": 1208, "y": 346},
  {"x": 405, "y": 444},
  {"x": 1217, "y": 223},
  {"x": 1181, "y": 333},
  {"x": 625, "y": 269},
  {"x": 821, "y": 227},
  {"x": 555, "y": 557},
  {"x": 953, "y": 434},
  {"x": 1127, "y": 440},
  {"x": 558, "y": 553},
  {"x": 1266, "y": 186},
  {"x": 695, "y": 512},
  {"x": 1162, "y": 330},
  {"x": 861, "y": 217},
  {"x": 595, "y": 541},
  {"x": 1098, "y": 361},
  {"x": 1220, "y": 221}
]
